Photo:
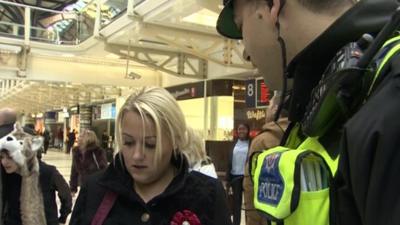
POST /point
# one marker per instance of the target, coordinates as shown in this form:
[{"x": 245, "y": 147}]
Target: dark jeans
[
  {"x": 237, "y": 189},
  {"x": 69, "y": 146},
  {"x": 45, "y": 147}
]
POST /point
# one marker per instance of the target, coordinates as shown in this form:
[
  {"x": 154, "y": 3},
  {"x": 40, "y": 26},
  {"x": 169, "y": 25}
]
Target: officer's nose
[{"x": 246, "y": 56}]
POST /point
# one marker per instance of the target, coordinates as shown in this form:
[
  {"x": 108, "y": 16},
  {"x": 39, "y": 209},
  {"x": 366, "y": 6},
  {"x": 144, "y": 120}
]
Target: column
[{"x": 85, "y": 117}]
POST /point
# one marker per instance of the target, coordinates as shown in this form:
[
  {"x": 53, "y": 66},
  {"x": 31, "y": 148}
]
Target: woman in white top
[
  {"x": 197, "y": 156},
  {"x": 235, "y": 171}
]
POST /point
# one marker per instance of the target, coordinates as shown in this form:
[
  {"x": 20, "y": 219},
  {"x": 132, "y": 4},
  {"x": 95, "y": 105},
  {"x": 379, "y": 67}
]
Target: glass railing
[
  {"x": 69, "y": 27},
  {"x": 87, "y": 18},
  {"x": 10, "y": 28},
  {"x": 112, "y": 9},
  {"x": 53, "y": 26}
]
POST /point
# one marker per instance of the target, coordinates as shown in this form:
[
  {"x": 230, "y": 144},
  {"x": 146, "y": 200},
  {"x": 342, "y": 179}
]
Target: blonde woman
[
  {"x": 88, "y": 157},
  {"x": 149, "y": 180},
  {"x": 197, "y": 156}
]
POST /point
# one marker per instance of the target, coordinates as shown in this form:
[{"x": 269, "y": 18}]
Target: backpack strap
[{"x": 104, "y": 208}]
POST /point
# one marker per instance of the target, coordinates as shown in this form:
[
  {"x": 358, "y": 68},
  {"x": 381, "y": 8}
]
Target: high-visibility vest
[{"x": 277, "y": 174}]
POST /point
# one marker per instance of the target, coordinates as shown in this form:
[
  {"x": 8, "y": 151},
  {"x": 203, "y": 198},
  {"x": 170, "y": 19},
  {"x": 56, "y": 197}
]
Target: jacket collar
[
  {"x": 307, "y": 67},
  {"x": 117, "y": 179}
]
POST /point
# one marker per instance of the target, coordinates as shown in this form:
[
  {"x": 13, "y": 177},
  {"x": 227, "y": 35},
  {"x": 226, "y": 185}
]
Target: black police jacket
[
  {"x": 367, "y": 183},
  {"x": 366, "y": 187},
  {"x": 198, "y": 193}
]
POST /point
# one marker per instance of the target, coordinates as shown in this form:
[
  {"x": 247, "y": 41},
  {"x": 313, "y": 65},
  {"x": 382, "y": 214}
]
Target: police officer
[{"x": 308, "y": 34}]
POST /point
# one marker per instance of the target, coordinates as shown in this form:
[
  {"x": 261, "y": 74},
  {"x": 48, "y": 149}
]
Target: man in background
[
  {"x": 269, "y": 137},
  {"x": 8, "y": 117}
]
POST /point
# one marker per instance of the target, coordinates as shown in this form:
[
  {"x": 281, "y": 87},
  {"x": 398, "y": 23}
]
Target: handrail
[
  {"x": 77, "y": 35},
  {"x": 88, "y": 4},
  {"x": 21, "y": 25},
  {"x": 35, "y": 7}
]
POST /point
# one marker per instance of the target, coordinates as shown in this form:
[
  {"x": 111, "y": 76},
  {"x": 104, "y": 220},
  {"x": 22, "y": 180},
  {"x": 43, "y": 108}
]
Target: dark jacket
[
  {"x": 366, "y": 186},
  {"x": 6, "y": 129},
  {"x": 50, "y": 181},
  {"x": 83, "y": 164},
  {"x": 367, "y": 181},
  {"x": 193, "y": 191},
  {"x": 71, "y": 138}
]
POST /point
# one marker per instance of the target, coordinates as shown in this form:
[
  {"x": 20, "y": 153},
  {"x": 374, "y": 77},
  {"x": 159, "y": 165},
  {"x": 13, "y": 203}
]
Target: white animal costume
[{"x": 22, "y": 148}]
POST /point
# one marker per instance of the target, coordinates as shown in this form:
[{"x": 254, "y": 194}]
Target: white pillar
[
  {"x": 98, "y": 19},
  {"x": 130, "y": 7},
  {"x": 27, "y": 25}
]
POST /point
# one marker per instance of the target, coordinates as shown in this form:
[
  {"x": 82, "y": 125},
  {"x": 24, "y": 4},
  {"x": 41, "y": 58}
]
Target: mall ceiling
[
  {"x": 177, "y": 37},
  {"x": 36, "y": 97}
]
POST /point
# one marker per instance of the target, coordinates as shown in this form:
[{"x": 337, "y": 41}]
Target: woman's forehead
[{"x": 133, "y": 121}]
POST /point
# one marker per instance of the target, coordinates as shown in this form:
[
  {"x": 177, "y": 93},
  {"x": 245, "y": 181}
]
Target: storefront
[
  {"x": 208, "y": 107},
  {"x": 54, "y": 124},
  {"x": 103, "y": 123},
  {"x": 216, "y": 107},
  {"x": 74, "y": 120}
]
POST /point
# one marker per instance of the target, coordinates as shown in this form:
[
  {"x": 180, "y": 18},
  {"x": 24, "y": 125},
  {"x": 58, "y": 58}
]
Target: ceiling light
[
  {"x": 68, "y": 55},
  {"x": 203, "y": 17},
  {"x": 112, "y": 56},
  {"x": 133, "y": 76}
]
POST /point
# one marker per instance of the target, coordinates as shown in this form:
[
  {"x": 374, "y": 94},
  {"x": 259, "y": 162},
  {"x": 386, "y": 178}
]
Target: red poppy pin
[{"x": 185, "y": 217}]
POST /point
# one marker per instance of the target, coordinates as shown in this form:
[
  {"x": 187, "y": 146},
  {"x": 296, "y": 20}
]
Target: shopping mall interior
[{"x": 72, "y": 64}]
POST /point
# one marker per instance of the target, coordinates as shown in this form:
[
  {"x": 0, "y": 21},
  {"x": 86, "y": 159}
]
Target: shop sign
[
  {"x": 257, "y": 93},
  {"x": 263, "y": 94},
  {"x": 251, "y": 93},
  {"x": 255, "y": 114},
  {"x": 187, "y": 91},
  {"x": 108, "y": 111},
  {"x": 74, "y": 110},
  {"x": 60, "y": 117},
  {"x": 50, "y": 117},
  {"x": 96, "y": 112}
]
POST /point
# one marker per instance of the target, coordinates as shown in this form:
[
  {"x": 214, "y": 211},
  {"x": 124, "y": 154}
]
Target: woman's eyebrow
[
  {"x": 126, "y": 134},
  {"x": 148, "y": 137}
]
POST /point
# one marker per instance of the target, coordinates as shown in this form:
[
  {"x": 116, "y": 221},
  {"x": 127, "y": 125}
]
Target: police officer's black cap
[{"x": 226, "y": 24}]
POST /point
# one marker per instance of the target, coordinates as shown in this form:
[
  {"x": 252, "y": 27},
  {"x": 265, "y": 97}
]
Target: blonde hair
[
  {"x": 88, "y": 138},
  {"x": 196, "y": 151},
  {"x": 159, "y": 106}
]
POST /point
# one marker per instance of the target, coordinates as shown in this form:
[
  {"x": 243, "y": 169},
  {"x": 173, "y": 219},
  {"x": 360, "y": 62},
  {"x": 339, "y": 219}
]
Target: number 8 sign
[{"x": 250, "y": 93}]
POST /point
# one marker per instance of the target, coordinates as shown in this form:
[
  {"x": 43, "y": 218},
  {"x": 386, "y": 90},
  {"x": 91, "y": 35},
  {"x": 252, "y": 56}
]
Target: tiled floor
[
  {"x": 63, "y": 163},
  {"x": 59, "y": 159}
]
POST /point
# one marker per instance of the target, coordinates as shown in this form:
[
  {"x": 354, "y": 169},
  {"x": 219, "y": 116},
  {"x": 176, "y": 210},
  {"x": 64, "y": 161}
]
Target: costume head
[{"x": 22, "y": 148}]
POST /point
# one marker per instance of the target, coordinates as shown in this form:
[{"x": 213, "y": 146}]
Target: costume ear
[
  {"x": 37, "y": 143},
  {"x": 17, "y": 127}
]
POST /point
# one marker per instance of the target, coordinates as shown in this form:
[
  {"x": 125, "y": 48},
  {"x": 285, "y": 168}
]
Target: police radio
[{"x": 345, "y": 82}]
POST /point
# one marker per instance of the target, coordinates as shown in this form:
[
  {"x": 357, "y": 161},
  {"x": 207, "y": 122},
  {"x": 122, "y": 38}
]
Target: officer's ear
[{"x": 275, "y": 9}]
